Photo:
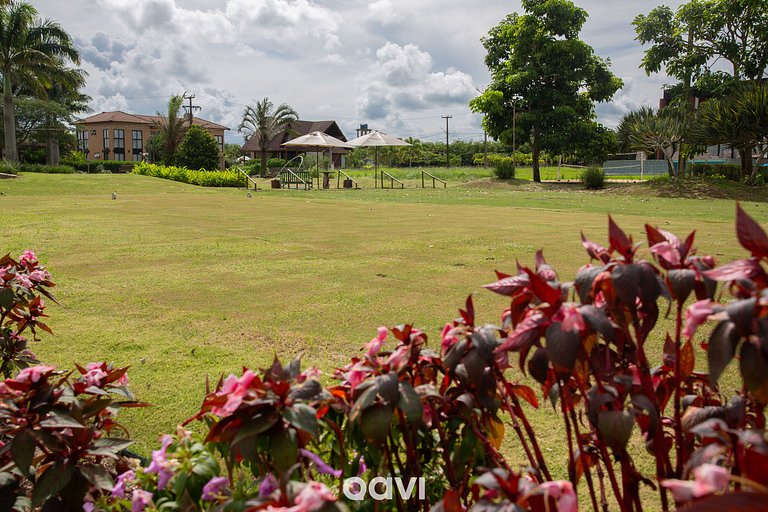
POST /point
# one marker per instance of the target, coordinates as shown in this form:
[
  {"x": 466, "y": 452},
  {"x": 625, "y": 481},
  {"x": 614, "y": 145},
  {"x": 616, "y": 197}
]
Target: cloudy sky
[{"x": 397, "y": 65}]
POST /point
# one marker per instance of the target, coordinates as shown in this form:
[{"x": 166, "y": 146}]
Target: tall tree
[
  {"x": 265, "y": 124},
  {"x": 545, "y": 80},
  {"x": 740, "y": 119},
  {"x": 171, "y": 129},
  {"x": 31, "y": 51},
  {"x": 652, "y": 130},
  {"x": 64, "y": 91},
  {"x": 199, "y": 150}
]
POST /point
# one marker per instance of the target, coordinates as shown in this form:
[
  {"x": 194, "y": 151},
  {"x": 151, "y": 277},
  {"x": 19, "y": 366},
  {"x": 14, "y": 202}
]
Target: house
[
  {"x": 297, "y": 129},
  {"x": 121, "y": 136}
]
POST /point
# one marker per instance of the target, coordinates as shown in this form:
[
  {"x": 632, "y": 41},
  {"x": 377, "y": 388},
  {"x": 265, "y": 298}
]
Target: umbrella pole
[{"x": 376, "y": 169}]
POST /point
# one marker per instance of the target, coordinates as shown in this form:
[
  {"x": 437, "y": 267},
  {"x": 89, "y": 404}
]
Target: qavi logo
[{"x": 381, "y": 488}]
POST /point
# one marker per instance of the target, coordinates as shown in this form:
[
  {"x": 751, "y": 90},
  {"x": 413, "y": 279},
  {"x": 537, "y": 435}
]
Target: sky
[{"x": 396, "y": 65}]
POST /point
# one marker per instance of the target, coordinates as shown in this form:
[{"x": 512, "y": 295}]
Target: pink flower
[
  {"x": 214, "y": 488},
  {"x": 23, "y": 280},
  {"x": 87, "y": 506},
  {"x": 399, "y": 358},
  {"x": 563, "y": 494},
  {"x": 374, "y": 346},
  {"x": 312, "y": 497},
  {"x": 94, "y": 376},
  {"x": 696, "y": 314},
  {"x": 118, "y": 490},
  {"x": 140, "y": 500},
  {"x": 268, "y": 486},
  {"x": 667, "y": 252},
  {"x": 571, "y": 317},
  {"x": 28, "y": 258},
  {"x": 235, "y": 390},
  {"x": 708, "y": 479},
  {"x": 38, "y": 275},
  {"x": 33, "y": 373},
  {"x": 355, "y": 377},
  {"x": 161, "y": 465}
]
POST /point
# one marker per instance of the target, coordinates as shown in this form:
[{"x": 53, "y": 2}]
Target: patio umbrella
[
  {"x": 377, "y": 139},
  {"x": 318, "y": 141}
]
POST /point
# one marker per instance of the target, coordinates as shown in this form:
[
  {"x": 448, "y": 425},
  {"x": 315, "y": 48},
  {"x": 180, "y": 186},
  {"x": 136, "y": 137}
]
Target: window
[
  {"x": 82, "y": 141},
  {"x": 106, "y": 143},
  {"x": 137, "y": 146},
  {"x": 220, "y": 141},
  {"x": 119, "y": 136}
]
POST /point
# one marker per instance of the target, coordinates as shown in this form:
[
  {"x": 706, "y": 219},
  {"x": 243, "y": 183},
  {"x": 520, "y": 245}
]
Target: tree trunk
[
  {"x": 749, "y": 169},
  {"x": 535, "y": 150},
  {"x": 263, "y": 164},
  {"x": 9, "y": 120}
]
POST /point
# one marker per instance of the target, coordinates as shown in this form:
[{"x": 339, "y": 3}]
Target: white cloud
[{"x": 384, "y": 12}]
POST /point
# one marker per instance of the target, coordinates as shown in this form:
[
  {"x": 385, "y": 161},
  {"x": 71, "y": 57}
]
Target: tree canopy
[
  {"x": 545, "y": 77},
  {"x": 171, "y": 129},
  {"x": 265, "y": 124},
  {"x": 199, "y": 150}
]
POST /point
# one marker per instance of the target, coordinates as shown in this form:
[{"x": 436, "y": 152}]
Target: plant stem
[
  {"x": 680, "y": 455},
  {"x": 587, "y": 472},
  {"x": 542, "y": 465}
]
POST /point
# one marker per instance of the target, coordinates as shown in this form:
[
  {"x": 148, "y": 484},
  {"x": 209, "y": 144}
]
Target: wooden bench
[{"x": 289, "y": 177}]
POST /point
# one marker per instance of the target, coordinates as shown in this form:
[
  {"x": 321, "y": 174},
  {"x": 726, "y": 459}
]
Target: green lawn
[{"x": 185, "y": 283}]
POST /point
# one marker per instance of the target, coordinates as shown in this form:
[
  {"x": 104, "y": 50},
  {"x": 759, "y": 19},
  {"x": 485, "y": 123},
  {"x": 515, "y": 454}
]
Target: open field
[{"x": 185, "y": 283}]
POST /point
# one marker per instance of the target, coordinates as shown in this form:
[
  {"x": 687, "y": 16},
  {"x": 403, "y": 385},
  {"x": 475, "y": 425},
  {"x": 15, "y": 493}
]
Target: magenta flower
[
  {"x": 696, "y": 314},
  {"x": 214, "y": 488},
  {"x": 87, "y": 506},
  {"x": 268, "y": 486},
  {"x": 140, "y": 500},
  {"x": 235, "y": 390},
  {"x": 374, "y": 346},
  {"x": 95, "y": 374},
  {"x": 39, "y": 275},
  {"x": 118, "y": 490},
  {"x": 312, "y": 497},
  {"x": 449, "y": 339},
  {"x": 562, "y": 492},
  {"x": 24, "y": 280},
  {"x": 708, "y": 479},
  {"x": 322, "y": 467},
  {"x": 668, "y": 252},
  {"x": 570, "y": 317},
  {"x": 29, "y": 258},
  {"x": 161, "y": 465},
  {"x": 33, "y": 373}
]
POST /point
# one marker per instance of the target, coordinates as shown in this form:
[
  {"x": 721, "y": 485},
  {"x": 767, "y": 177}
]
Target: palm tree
[
  {"x": 265, "y": 125},
  {"x": 31, "y": 50},
  {"x": 415, "y": 148},
  {"x": 64, "y": 91},
  {"x": 171, "y": 129},
  {"x": 656, "y": 130}
]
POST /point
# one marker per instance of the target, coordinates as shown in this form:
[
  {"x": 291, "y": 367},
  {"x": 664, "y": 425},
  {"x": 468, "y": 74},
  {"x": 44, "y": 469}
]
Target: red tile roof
[{"x": 123, "y": 117}]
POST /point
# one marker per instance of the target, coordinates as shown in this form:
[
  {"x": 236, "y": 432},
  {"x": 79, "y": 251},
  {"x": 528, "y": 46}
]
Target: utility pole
[
  {"x": 447, "y": 146},
  {"x": 191, "y": 107}
]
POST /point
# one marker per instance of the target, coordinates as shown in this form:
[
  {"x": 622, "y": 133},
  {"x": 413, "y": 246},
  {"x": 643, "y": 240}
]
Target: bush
[
  {"x": 504, "y": 168},
  {"x": 201, "y": 178},
  {"x": 99, "y": 166},
  {"x": 593, "y": 178},
  {"x": 47, "y": 169},
  {"x": 728, "y": 171},
  {"x": 9, "y": 167},
  {"x": 273, "y": 163},
  {"x": 198, "y": 150}
]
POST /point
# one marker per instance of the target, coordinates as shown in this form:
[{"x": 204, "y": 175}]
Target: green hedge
[
  {"x": 47, "y": 169},
  {"x": 727, "y": 171},
  {"x": 97, "y": 166},
  {"x": 201, "y": 178}
]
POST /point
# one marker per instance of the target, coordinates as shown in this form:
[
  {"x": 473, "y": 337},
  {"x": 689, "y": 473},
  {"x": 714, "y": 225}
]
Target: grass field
[{"x": 185, "y": 283}]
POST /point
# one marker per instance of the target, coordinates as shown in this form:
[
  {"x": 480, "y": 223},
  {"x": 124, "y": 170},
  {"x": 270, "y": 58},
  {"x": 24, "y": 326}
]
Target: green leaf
[
  {"x": 363, "y": 401},
  {"x": 98, "y": 476},
  {"x": 6, "y": 298},
  {"x": 681, "y": 282},
  {"x": 23, "y": 451},
  {"x": 754, "y": 370},
  {"x": 615, "y": 428},
  {"x": 302, "y": 417},
  {"x": 60, "y": 420},
  {"x": 53, "y": 480},
  {"x": 255, "y": 426},
  {"x": 721, "y": 349},
  {"x": 562, "y": 348},
  {"x": 410, "y": 403},
  {"x": 284, "y": 449},
  {"x": 109, "y": 446},
  {"x": 375, "y": 422}
]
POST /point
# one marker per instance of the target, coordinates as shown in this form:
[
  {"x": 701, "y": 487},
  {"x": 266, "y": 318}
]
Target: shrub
[
  {"x": 276, "y": 162},
  {"x": 9, "y": 167},
  {"x": 56, "y": 428},
  {"x": 593, "y": 178},
  {"x": 198, "y": 150},
  {"x": 99, "y": 166},
  {"x": 728, "y": 171},
  {"x": 228, "y": 178},
  {"x": 47, "y": 169},
  {"x": 504, "y": 169}
]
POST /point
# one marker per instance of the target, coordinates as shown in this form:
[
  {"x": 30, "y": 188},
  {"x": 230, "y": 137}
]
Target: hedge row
[
  {"x": 47, "y": 169},
  {"x": 201, "y": 178}
]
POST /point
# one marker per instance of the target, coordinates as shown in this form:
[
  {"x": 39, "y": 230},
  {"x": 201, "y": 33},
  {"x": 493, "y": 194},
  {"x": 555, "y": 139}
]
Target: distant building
[
  {"x": 121, "y": 136},
  {"x": 297, "y": 129}
]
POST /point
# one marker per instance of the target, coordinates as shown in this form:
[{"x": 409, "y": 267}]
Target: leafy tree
[
  {"x": 740, "y": 119},
  {"x": 652, "y": 130},
  {"x": 32, "y": 51},
  {"x": 198, "y": 150},
  {"x": 172, "y": 128},
  {"x": 414, "y": 149},
  {"x": 265, "y": 124},
  {"x": 545, "y": 77},
  {"x": 231, "y": 153}
]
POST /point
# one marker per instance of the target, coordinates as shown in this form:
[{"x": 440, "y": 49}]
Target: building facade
[
  {"x": 297, "y": 129},
  {"x": 124, "y": 137}
]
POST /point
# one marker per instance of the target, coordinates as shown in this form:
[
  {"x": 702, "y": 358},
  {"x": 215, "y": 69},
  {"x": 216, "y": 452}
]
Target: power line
[{"x": 447, "y": 147}]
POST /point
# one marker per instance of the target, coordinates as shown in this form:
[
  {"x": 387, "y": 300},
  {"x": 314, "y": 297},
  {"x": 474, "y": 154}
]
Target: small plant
[
  {"x": 47, "y": 169},
  {"x": 504, "y": 168},
  {"x": 593, "y": 178},
  {"x": 228, "y": 178},
  {"x": 9, "y": 167}
]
